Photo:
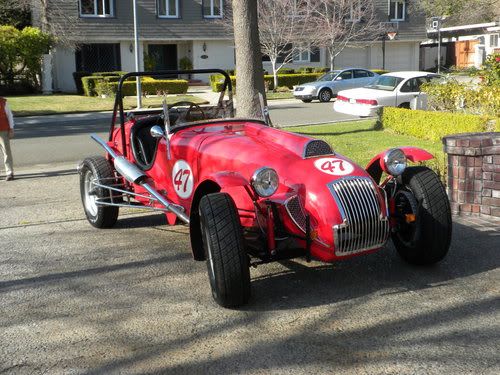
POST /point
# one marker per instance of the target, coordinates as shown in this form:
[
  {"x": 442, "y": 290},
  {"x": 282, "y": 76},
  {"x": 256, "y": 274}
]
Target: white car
[{"x": 396, "y": 89}]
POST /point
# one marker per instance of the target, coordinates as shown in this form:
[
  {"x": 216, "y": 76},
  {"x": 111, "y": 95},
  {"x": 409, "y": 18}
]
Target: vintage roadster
[{"x": 253, "y": 194}]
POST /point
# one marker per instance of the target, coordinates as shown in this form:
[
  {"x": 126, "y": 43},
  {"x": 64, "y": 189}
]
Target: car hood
[
  {"x": 365, "y": 93},
  {"x": 245, "y": 147},
  {"x": 315, "y": 84}
]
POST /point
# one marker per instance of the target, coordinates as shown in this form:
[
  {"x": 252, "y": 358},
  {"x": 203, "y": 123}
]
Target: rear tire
[
  {"x": 427, "y": 240},
  {"x": 307, "y": 100},
  {"x": 96, "y": 168},
  {"x": 227, "y": 261},
  {"x": 325, "y": 95}
]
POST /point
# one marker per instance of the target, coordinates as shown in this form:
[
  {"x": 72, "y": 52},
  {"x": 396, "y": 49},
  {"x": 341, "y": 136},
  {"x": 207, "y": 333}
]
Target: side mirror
[
  {"x": 338, "y": 79},
  {"x": 157, "y": 132}
]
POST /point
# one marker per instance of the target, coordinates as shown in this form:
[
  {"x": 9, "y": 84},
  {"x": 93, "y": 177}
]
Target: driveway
[{"x": 130, "y": 300}]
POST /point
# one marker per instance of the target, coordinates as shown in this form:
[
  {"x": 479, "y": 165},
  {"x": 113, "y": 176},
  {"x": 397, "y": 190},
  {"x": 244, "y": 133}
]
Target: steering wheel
[{"x": 186, "y": 116}]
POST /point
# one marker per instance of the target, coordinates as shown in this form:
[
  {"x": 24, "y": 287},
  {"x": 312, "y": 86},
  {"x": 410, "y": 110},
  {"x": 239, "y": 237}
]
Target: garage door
[
  {"x": 399, "y": 56},
  {"x": 352, "y": 57}
]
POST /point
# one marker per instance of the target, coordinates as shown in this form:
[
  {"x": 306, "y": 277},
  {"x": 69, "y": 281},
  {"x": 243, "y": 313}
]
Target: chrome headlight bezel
[
  {"x": 265, "y": 187},
  {"x": 395, "y": 162}
]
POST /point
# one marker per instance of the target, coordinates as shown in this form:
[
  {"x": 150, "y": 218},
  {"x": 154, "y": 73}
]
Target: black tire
[
  {"x": 227, "y": 261},
  {"x": 325, "y": 95},
  {"x": 427, "y": 240},
  {"x": 307, "y": 100},
  {"x": 97, "y": 167}
]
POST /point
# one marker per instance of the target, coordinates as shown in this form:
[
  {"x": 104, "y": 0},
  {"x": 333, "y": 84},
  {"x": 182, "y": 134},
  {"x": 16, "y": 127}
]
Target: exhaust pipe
[{"x": 134, "y": 175}]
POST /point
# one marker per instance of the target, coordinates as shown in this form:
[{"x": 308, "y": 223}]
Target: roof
[{"x": 408, "y": 74}]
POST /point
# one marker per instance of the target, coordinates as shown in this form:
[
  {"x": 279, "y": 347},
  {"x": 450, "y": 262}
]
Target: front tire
[
  {"x": 426, "y": 240},
  {"x": 97, "y": 168},
  {"x": 325, "y": 95},
  {"x": 227, "y": 261}
]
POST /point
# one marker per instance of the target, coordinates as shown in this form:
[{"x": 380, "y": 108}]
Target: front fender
[
  {"x": 228, "y": 179},
  {"x": 413, "y": 154}
]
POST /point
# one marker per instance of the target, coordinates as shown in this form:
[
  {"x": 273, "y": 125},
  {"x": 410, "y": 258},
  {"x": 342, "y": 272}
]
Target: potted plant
[{"x": 186, "y": 64}]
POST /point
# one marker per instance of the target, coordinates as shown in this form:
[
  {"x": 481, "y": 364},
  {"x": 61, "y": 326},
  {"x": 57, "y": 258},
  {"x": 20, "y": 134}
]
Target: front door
[{"x": 162, "y": 57}]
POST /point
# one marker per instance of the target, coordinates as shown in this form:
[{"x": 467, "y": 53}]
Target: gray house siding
[{"x": 190, "y": 25}]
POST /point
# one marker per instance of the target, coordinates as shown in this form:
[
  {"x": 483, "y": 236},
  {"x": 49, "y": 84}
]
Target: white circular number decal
[
  {"x": 334, "y": 166},
  {"x": 182, "y": 178}
]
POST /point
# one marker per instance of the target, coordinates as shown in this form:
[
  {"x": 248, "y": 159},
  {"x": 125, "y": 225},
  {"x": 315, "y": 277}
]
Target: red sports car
[{"x": 254, "y": 194}]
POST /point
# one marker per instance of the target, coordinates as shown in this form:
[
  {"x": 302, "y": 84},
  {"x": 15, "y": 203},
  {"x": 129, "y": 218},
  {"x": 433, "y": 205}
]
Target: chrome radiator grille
[{"x": 365, "y": 226}]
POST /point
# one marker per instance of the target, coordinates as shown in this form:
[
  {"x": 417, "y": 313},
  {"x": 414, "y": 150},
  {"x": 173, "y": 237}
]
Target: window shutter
[{"x": 315, "y": 54}]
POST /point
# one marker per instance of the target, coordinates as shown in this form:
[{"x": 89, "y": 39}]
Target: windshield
[
  {"x": 329, "y": 76},
  {"x": 386, "y": 83}
]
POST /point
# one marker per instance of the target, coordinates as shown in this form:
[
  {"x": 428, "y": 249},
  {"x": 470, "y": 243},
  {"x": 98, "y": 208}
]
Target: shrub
[
  {"x": 89, "y": 83},
  {"x": 456, "y": 97},
  {"x": 109, "y": 74},
  {"x": 321, "y": 70},
  {"x": 282, "y": 89},
  {"x": 286, "y": 71},
  {"x": 491, "y": 70},
  {"x": 185, "y": 63},
  {"x": 379, "y": 71},
  {"x": 149, "y": 86},
  {"x": 433, "y": 125},
  {"x": 77, "y": 77},
  {"x": 305, "y": 69},
  {"x": 288, "y": 80}
]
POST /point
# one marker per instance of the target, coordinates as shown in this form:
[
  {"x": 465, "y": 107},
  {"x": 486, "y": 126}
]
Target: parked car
[
  {"x": 395, "y": 89},
  {"x": 252, "y": 194},
  {"x": 328, "y": 85}
]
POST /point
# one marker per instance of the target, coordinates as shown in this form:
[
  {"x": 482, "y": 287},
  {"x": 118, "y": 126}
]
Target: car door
[
  {"x": 361, "y": 78},
  {"x": 408, "y": 90},
  {"x": 343, "y": 81}
]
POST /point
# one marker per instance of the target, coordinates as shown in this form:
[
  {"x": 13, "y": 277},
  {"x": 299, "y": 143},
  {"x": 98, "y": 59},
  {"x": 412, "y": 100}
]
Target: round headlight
[
  {"x": 265, "y": 181},
  {"x": 395, "y": 161}
]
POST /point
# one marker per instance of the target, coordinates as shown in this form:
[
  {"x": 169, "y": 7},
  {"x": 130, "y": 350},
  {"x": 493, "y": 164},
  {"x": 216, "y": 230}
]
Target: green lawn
[
  {"x": 361, "y": 141},
  {"x": 34, "y": 105},
  {"x": 279, "y": 95}
]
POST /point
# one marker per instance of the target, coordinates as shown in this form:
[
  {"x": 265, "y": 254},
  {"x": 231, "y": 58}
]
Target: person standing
[{"x": 6, "y": 133}]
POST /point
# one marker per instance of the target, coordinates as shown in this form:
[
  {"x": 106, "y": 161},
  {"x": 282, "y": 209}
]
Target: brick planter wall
[{"x": 474, "y": 173}]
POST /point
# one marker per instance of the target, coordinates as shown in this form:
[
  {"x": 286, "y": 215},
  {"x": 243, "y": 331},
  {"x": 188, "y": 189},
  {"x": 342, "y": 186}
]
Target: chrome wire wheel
[{"x": 90, "y": 196}]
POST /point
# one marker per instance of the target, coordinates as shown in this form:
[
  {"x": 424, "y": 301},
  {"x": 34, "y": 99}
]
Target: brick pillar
[{"x": 474, "y": 173}]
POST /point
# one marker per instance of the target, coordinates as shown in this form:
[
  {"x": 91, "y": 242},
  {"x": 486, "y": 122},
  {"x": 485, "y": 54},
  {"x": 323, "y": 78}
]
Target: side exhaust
[{"x": 136, "y": 176}]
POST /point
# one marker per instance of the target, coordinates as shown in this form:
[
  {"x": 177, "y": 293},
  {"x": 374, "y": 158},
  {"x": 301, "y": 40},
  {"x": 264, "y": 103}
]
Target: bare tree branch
[{"x": 339, "y": 23}]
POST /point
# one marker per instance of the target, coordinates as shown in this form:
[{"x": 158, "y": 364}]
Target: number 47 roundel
[{"x": 182, "y": 179}]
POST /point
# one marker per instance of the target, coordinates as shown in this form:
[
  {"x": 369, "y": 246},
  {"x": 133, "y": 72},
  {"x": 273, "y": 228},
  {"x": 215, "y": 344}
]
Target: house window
[
  {"x": 96, "y": 8},
  {"x": 212, "y": 8},
  {"x": 303, "y": 56},
  {"x": 98, "y": 57},
  {"x": 397, "y": 10},
  {"x": 494, "y": 40},
  {"x": 168, "y": 8}
]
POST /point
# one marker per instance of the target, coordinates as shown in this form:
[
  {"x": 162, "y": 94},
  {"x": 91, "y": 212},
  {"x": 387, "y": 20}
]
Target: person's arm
[{"x": 10, "y": 118}]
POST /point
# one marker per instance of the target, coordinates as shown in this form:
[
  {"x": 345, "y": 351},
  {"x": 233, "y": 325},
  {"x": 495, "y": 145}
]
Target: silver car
[{"x": 328, "y": 85}]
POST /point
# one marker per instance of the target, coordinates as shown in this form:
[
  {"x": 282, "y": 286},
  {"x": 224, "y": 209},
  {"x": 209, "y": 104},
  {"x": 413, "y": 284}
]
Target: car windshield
[
  {"x": 329, "y": 76},
  {"x": 386, "y": 83}
]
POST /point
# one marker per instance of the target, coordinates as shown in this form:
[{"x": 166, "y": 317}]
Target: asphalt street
[
  {"x": 45, "y": 140},
  {"x": 130, "y": 300}
]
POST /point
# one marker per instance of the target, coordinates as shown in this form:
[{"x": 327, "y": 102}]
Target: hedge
[
  {"x": 288, "y": 80},
  {"x": 433, "y": 125},
  {"x": 89, "y": 83},
  {"x": 149, "y": 86}
]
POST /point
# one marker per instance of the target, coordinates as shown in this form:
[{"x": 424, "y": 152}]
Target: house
[
  {"x": 462, "y": 46},
  {"x": 102, "y": 31}
]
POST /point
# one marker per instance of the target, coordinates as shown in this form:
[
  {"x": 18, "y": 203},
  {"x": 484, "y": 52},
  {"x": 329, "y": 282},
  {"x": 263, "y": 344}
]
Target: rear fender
[{"x": 414, "y": 154}]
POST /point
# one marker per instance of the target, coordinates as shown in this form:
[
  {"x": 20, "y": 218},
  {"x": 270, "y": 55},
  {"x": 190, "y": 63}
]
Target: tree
[
  {"x": 250, "y": 78},
  {"x": 285, "y": 31},
  {"x": 459, "y": 12},
  {"x": 21, "y": 52},
  {"x": 338, "y": 23},
  {"x": 14, "y": 14}
]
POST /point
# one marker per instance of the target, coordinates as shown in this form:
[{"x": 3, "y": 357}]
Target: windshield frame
[{"x": 334, "y": 73}]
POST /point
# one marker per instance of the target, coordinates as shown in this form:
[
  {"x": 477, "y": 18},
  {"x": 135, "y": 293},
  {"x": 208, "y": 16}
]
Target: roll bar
[{"x": 118, "y": 106}]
